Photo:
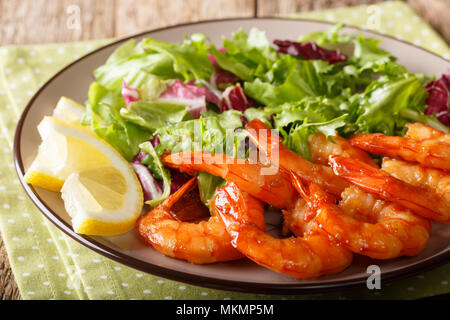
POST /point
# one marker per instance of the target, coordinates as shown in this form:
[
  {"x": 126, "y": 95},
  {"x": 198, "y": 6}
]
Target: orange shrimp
[
  {"x": 321, "y": 147},
  {"x": 420, "y": 200},
  {"x": 302, "y": 257},
  {"x": 200, "y": 243},
  {"x": 420, "y": 132},
  {"x": 430, "y": 152},
  {"x": 274, "y": 189},
  {"x": 433, "y": 179},
  {"x": 288, "y": 160},
  {"x": 300, "y": 221},
  {"x": 365, "y": 225}
]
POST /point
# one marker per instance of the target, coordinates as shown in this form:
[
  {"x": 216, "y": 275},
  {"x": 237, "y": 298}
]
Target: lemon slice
[
  {"x": 53, "y": 149},
  {"x": 66, "y": 148},
  {"x": 101, "y": 201},
  {"x": 99, "y": 187},
  {"x": 68, "y": 110}
]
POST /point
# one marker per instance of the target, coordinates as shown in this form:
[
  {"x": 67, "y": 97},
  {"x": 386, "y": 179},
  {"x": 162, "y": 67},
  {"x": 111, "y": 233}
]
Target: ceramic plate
[{"x": 244, "y": 275}]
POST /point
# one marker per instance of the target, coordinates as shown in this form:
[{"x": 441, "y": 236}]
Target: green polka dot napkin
[{"x": 49, "y": 265}]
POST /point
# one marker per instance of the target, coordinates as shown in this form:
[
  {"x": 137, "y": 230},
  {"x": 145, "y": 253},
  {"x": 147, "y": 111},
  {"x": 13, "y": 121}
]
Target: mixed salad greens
[{"x": 152, "y": 96}]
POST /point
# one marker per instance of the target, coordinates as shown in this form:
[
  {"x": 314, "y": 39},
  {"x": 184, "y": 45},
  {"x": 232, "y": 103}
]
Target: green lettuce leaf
[
  {"x": 134, "y": 63},
  {"x": 158, "y": 170},
  {"x": 189, "y": 58},
  {"x": 208, "y": 133},
  {"x": 297, "y": 120},
  {"x": 381, "y": 104},
  {"x": 207, "y": 186},
  {"x": 154, "y": 114},
  {"x": 318, "y": 109},
  {"x": 332, "y": 35},
  {"x": 332, "y": 39},
  {"x": 258, "y": 113},
  {"x": 291, "y": 80},
  {"x": 227, "y": 62},
  {"x": 246, "y": 55},
  {"x": 103, "y": 115},
  {"x": 297, "y": 138}
]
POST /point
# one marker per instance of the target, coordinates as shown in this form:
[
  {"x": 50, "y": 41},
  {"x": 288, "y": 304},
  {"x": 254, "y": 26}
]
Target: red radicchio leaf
[
  {"x": 150, "y": 187},
  {"x": 139, "y": 157},
  {"x": 223, "y": 77},
  {"x": 212, "y": 59},
  {"x": 129, "y": 94},
  {"x": 438, "y": 100},
  {"x": 155, "y": 141},
  {"x": 234, "y": 98},
  {"x": 178, "y": 180},
  {"x": 309, "y": 51},
  {"x": 190, "y": 94}
]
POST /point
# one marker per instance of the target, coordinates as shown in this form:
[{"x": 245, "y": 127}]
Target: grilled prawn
[{"x": 200, "y": 243}]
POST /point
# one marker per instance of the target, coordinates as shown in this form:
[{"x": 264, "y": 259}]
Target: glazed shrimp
[
  {"x": 274, "y": 189},
  {"x": 321, "y": 147},
  {"x": 301, "y": 222},
  {"x": 420, "y": 200},
  {"x": 434, "y": 153},
  {"x": 419, "y": 176},
  {"x": 200, "y": 243},
  {"x": 365, "y": 225},
  {"x": 302, "y": 257},
  {"x": 268, "y": 144},
  {"x": 421, "y": 132}
]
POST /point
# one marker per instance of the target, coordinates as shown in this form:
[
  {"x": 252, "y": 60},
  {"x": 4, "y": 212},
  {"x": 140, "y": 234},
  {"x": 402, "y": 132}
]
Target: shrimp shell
[
  {"x": 321, "y": 147},
  {"x": 199, "y": 243},
  {"x": 384, "y": 230},
  {"x": 288, "y": 160},
  {"x": 301, "y": 257},
  {"x": 421, "y": 201},
  {"x": 419, "y": 176},
  {"x": 274, "y": 189},
  {"x": 421, "y": 132},
  {"x": 300, "y": 221},
  {"x": 434, "y": 153}
]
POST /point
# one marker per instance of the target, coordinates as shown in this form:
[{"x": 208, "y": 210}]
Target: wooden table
[{"x": 43, "y": 21}]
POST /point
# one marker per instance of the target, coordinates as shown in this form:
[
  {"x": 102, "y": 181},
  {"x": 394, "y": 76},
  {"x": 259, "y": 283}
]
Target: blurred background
[
  {"x": 48, "y": 21},
  {"x": 43, "y": 21}
]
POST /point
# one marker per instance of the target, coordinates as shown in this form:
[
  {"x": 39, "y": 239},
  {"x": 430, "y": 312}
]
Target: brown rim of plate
[{"x": 240, "y": 286}]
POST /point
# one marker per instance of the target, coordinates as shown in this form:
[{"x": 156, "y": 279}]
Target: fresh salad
[{"x": 152, "y": 97}]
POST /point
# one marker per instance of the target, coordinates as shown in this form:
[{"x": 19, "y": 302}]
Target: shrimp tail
[
  {"x": 199, "y": 243},
  {"x": 431, "y": 153},
  {"x": 170, "y": 201},
  {"x": 274, "y": 188},
  {"x": 304, "y": 258},
  {"x": 380, "y": 183},
  {"x": 270, "y": 144}
]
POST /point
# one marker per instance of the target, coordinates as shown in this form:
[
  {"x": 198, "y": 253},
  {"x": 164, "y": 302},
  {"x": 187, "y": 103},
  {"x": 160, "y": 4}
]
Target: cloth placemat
[{"x": 47, "y": 264}]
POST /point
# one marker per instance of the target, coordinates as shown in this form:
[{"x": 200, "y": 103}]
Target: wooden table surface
[{"x": 44, "y": 21}]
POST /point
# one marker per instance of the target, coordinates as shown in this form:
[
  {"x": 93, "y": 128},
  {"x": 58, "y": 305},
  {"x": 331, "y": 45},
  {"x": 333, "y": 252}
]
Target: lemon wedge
[
  {"x": 101, "y": 201},
  {"x": 43, "y": 172},
  {"x": 68, "y": 110},
  {"x": 65, "y": 148},
  {"x": 99, "y": 187}
]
